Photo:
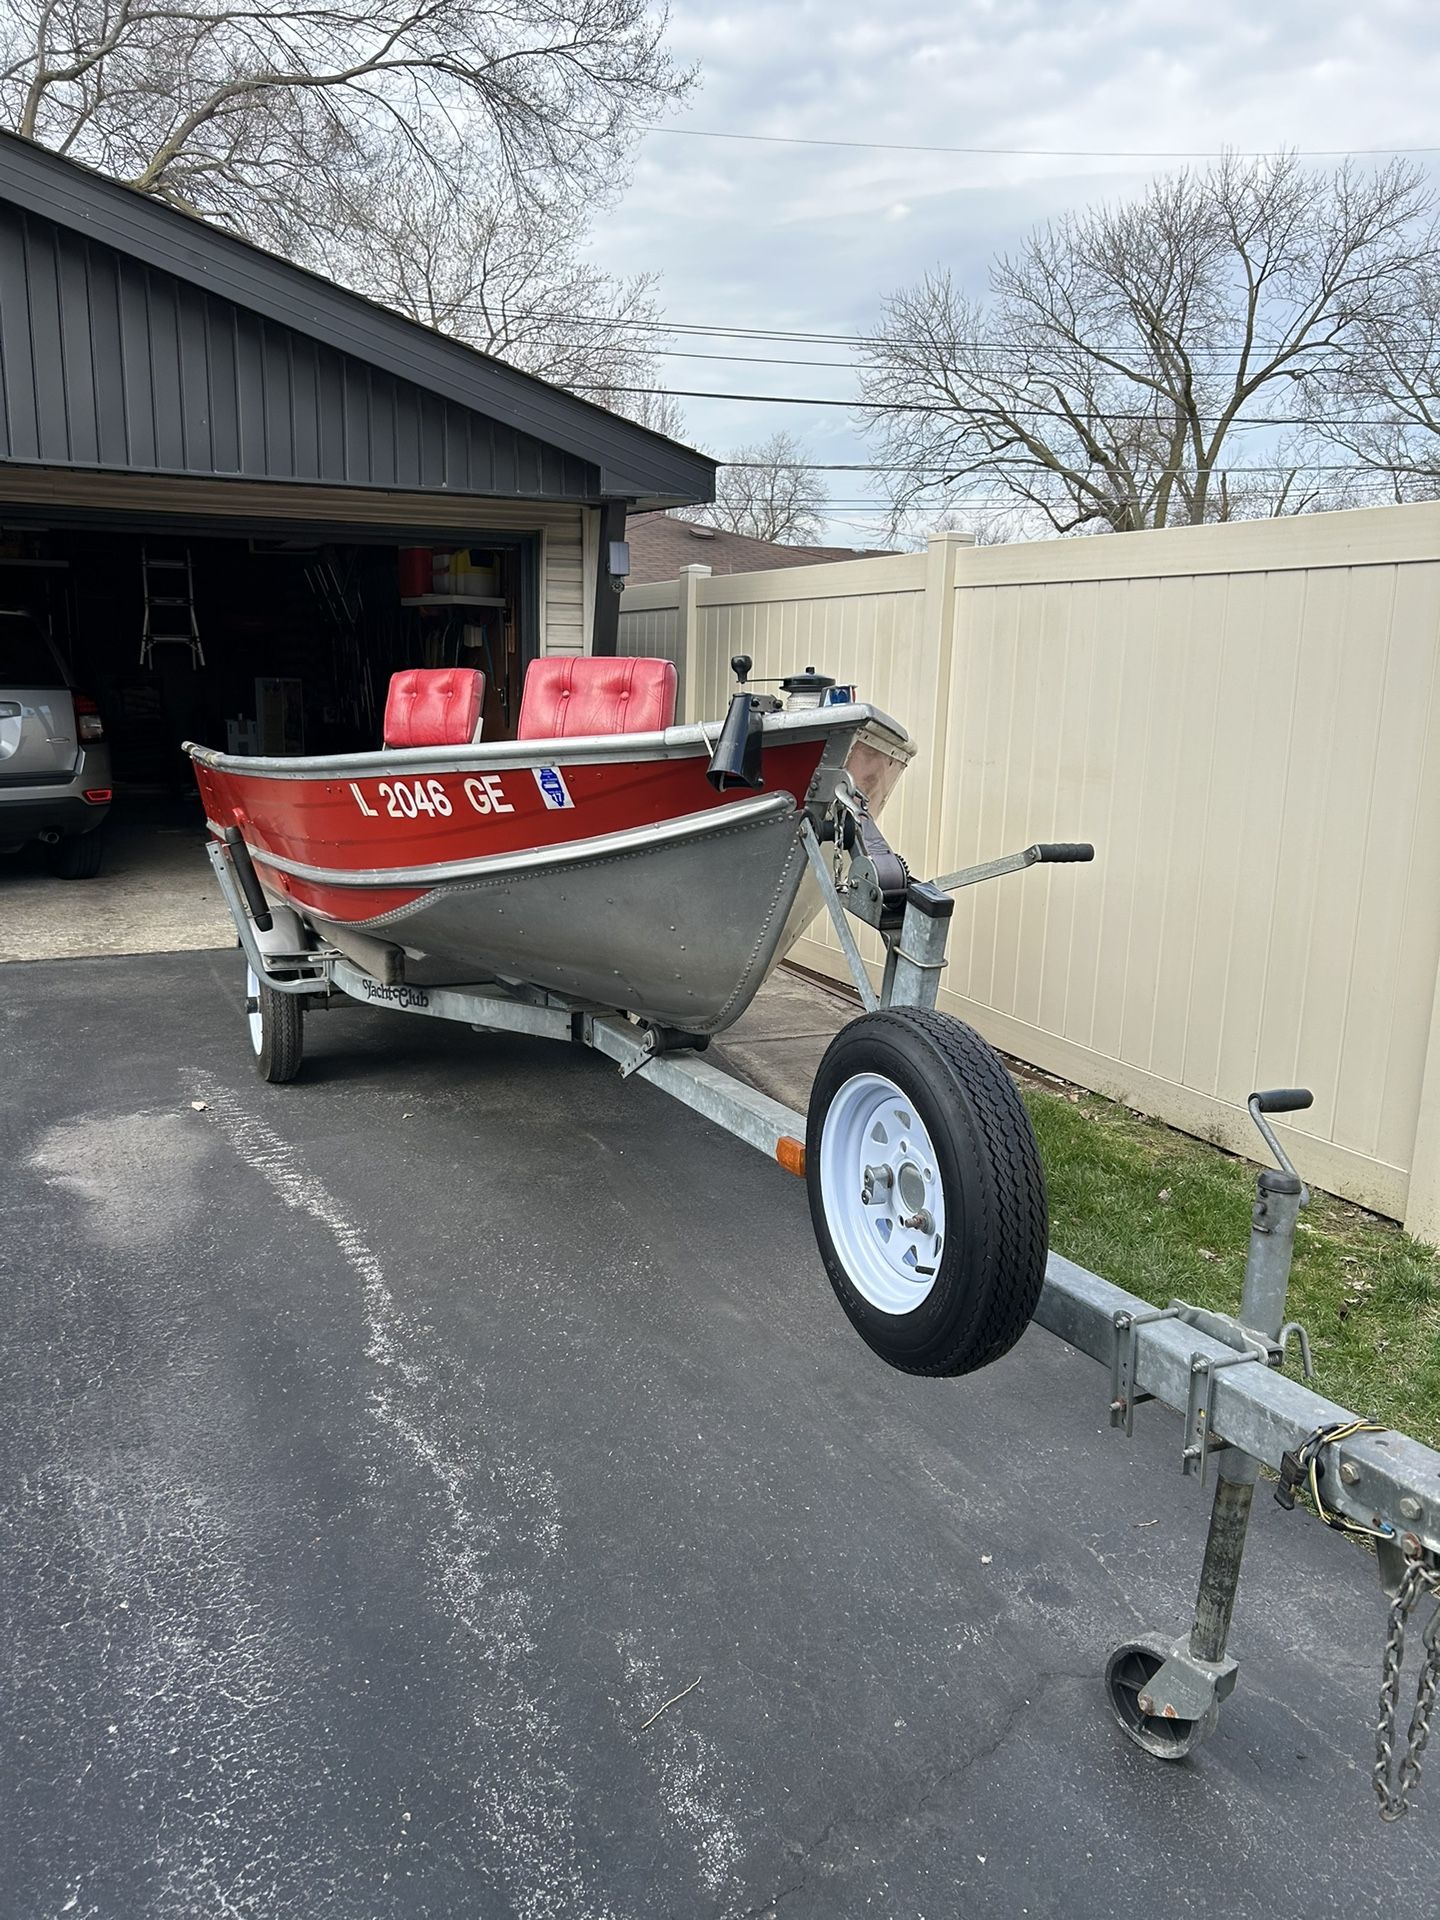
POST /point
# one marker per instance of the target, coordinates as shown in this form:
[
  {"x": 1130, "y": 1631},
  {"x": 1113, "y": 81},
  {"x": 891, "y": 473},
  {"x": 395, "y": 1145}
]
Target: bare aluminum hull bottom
[{"x": 682, "y": 931}]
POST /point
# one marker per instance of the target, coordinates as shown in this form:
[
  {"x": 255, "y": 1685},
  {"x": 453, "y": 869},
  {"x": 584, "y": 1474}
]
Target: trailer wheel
[
  {"x": 926, "y": 1191},
  {"x": 277, "y": 1030},
  {"x": 1128, "y": 1674}
]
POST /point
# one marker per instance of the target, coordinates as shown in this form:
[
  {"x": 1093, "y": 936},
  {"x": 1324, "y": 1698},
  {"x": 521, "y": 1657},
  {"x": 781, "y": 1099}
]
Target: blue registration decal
[{"x": 553, "y": 790}]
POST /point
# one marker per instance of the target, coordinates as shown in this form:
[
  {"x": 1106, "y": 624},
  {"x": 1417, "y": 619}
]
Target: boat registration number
[{"x": 410, "y": 799}]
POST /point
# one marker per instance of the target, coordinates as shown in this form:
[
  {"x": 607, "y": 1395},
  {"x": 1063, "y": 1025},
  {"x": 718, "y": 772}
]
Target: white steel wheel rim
[
  {"x": 883, "y": 1197},
  {"x": 255, "y": 1020}
]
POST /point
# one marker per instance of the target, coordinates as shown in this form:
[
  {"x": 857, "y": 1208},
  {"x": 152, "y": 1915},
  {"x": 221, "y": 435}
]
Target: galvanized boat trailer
[{"x": 1222, "y": 1374}]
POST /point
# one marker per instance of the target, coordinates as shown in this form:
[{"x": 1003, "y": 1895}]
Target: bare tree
[
  {"x": 768, "y": 492},
  {"x": 1384, "y": 404},
  {"x": 1125, "y": 350},
  {"x": 503, "y": 271},
  {"x": 252, "y": 112}
]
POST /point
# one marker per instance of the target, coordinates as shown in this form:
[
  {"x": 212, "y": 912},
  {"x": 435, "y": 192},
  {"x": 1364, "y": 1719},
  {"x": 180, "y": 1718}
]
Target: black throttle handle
[
  {"x": 1058, "y": 852},
  {"x": 1284, "y": 1100}
]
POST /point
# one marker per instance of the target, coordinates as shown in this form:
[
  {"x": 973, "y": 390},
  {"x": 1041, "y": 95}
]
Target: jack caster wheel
[
  {"x": 1128, "y": 1674},
  {"x": 926, "y": 1191},
  {"x": 277, "y": 1030}
]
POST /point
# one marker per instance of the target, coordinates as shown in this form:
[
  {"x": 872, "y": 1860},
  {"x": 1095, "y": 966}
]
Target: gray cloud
[{"x": 795, "y": 237}]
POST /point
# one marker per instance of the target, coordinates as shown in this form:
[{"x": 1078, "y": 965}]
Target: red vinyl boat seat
[
  {"x": 570, "y": 695},
  {"x": 434, "y": 707}
]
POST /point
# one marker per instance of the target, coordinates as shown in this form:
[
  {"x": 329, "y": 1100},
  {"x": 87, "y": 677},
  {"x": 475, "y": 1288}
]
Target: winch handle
[
  {"x": 1059, "y": 852},
  {"x": 1051, "y": 852},
  {"x": 740, "y": 665}
]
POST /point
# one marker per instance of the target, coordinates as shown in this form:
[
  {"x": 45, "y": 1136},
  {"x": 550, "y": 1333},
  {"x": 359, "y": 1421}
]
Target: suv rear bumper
[{"x": 60, "y": 807}]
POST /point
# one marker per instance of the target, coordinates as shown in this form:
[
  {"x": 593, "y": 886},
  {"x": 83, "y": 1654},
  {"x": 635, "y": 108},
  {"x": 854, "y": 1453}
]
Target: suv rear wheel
[{"x": 78, "y": 855}]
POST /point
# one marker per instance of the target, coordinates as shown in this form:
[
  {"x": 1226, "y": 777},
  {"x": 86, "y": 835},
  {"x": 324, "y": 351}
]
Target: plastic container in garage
[{"x": 470, "y": 574}]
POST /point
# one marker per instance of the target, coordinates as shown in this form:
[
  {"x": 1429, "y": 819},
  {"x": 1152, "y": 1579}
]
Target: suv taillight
[{"x": 88, "y": 724}]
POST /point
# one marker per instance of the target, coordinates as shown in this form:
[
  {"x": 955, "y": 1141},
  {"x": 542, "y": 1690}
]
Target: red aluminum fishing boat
[{"x": 603, "y": 853}]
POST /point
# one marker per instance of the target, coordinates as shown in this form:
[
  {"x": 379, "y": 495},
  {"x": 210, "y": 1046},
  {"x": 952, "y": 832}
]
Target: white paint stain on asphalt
[
  {"x": 691, "y": 1776},
  {"x": 492, "y": 1511},
  {"x": 109, "y": 1163},
  {"x": 201, "y": 1685},
  {"x": 299, "y": 1190},
  {"x": 196, "y": 1679}
]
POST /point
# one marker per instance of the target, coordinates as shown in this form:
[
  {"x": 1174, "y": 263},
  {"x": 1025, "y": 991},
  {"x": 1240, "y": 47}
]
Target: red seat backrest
[
  {"x": 434, "y": 707},
  {"x": 570, "y": 695}
]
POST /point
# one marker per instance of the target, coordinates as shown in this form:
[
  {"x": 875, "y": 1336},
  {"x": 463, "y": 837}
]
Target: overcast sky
[{"x": 811, "y": 238}]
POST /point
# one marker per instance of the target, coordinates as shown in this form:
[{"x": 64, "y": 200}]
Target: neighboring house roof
[
  {"x": 117, "y": 309},
  {"x": 662, "y": 543}
]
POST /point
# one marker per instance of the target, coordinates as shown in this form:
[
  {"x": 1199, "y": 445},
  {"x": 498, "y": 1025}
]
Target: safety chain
[{"x": 1395, "y": 1784}]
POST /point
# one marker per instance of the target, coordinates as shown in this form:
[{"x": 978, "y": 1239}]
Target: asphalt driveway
[{"x": 383, "y": 1451}]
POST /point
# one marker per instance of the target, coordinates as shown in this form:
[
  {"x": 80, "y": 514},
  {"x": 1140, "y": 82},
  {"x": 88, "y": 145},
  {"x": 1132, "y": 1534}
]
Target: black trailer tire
[
  {"x": 277, "y": 1030},
  {"x": 925, "y": 1186},
  {"x": 78, "y": 855}
]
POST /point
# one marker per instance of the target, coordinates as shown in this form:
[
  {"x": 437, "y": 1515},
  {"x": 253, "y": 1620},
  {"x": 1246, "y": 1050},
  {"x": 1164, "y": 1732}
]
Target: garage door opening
[
  {"x": 268, "y": 645},
  {"x": 275, "y": 642}
]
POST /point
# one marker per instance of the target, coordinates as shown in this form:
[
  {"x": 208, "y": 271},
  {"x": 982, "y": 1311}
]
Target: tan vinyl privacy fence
[{"x": 1244, "y": 719}]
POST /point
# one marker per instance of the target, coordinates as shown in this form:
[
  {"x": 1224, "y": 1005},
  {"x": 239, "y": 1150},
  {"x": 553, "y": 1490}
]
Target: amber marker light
[{"x": 791, "y": 1154}]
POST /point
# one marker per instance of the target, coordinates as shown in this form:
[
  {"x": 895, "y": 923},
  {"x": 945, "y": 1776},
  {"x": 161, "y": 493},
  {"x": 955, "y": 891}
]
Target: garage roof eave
[{"x": 638, "y": 465}]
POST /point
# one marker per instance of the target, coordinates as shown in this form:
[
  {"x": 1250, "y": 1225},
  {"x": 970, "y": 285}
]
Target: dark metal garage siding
[{"x": 206, "y": 387}]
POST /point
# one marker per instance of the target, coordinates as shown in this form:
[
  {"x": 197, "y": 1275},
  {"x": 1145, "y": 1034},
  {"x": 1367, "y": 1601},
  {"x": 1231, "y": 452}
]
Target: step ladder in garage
[{"x": 169, "y": 590}]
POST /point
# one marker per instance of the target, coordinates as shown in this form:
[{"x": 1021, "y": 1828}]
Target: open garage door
[{"x": 275, "y": 643}]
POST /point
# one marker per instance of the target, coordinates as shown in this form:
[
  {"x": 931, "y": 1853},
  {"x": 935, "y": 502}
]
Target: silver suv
[{"x": 54, "y": 765}]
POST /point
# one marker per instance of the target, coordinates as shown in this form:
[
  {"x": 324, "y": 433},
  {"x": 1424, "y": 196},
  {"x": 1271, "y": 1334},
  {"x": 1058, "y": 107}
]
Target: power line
[
  {"x": 771, "y": 399},
  {"x": 848, "y": 366},
  {"x": 942, "y": 469},
  {"x": 1046, "y": 153},
  {"x": 752, "y": 359},
  {"x": 1363, "y": 479},
  {"x": 817, "y": 337},
  {"x": 864, "y": 513},
  {"x": 916, "y": 406},
  {"x": 958, "y": 503},
  {"x": 873, "y": 505}
]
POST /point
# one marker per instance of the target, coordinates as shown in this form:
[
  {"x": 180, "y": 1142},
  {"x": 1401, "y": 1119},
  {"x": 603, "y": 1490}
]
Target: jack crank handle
[{"x": 1282, "y": 1100}]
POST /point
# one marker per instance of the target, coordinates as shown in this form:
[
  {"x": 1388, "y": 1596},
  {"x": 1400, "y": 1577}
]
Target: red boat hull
[{"x": 365, "y": 824}]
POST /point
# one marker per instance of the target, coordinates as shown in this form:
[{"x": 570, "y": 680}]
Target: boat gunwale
[{"x": 878, "y": 729}]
